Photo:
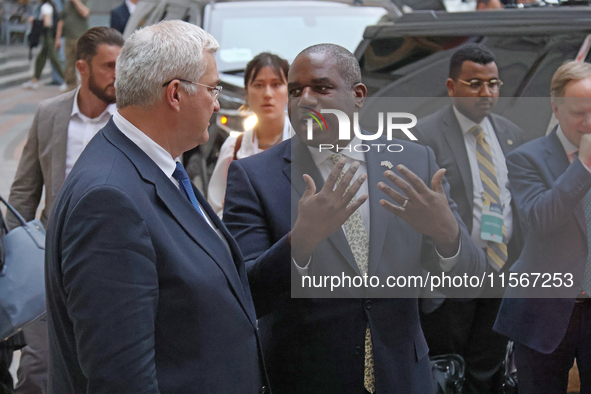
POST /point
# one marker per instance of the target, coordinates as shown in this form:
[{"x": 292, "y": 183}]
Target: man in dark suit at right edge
[
  {"x": 551, "y": 181},
  {"x": 454, "y": 133}
]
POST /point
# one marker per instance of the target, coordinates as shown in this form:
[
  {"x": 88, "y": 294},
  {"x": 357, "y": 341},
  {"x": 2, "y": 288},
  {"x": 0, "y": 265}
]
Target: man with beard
[
  {"x": 471, "y": 144},
  {"x": 62, "y": 127}
]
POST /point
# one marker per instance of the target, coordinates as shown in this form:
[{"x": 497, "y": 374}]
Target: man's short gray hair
[{"x": 156, "y": 54}]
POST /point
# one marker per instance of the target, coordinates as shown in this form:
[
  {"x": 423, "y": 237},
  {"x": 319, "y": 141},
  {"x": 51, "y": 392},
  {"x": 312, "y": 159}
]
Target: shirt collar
[
  {"x": 111, "y": 108},
  {"x": 320, "y": 157},
  {"x": 568, "y": 146},
  {"x": 130, "y": 6},
  {"x": 75, "y": 108},
  {"x": 466, "y": 124},
  {"x": 158, "y": 154}
]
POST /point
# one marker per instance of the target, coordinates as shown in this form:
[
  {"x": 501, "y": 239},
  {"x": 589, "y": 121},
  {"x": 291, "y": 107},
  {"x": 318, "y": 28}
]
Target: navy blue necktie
[{"x": 185, "y": 184}]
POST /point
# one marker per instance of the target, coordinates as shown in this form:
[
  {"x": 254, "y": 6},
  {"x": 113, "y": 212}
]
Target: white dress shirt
[
  {"x": 158, "y": 154},
  {"x": 81, "y": 129},
  {"x": 501, "y": 172}
]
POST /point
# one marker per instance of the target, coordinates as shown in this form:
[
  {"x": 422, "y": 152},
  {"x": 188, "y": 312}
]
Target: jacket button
[
  {"x": 358, "y": 350},
  {"x": 263, "y": 389},
  {"x": 368, "y": 304}
]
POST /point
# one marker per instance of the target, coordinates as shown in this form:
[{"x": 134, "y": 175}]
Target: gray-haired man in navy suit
[{"x": 146, "y": 289}]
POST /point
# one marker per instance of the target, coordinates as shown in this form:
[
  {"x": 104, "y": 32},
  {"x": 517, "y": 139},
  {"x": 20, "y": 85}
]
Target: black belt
[{"x": 583, "y": 298}]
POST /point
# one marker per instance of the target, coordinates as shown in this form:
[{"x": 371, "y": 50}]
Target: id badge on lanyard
[{"x": 492, "y": 222}]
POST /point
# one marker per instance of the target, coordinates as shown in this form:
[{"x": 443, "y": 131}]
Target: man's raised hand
[
  {"x": 426, "y": 210},
  {"x": 322, "y": 214}
]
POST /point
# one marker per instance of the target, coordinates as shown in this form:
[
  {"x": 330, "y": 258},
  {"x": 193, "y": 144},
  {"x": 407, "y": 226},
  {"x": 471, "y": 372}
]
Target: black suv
[{"x": 409, "y": 57}]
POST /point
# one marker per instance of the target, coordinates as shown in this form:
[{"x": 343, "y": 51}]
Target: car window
[
  {"x": 285, "y": 31},
  {"x": 419, "y": 66},
  {"x": 386, "y": 55}
]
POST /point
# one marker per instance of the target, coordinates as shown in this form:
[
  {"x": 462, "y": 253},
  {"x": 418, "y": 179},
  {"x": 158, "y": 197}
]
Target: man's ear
[
  {"x": 554, "y": 108},
  {"x": 450, "y": 87},
  {"x": 360, "y": 91},
  {"x": 172, "y": 95},
  {"x": 82, "y": 67}
]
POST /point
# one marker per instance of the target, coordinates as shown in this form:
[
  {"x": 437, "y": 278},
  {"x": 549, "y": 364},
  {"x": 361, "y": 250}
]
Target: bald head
[{"x": 347, "y": 65}]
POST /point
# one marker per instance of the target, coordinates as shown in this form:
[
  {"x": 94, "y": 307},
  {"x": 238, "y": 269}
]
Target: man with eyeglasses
[
  {"x": 551, "y": 182},
  {"x": 146, "y": 289},
  {"x": 471, "y": 144}
]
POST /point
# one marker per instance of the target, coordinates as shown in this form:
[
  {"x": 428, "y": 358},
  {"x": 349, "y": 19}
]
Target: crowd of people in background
[
  {"x": 68, "y": 20},
  {"x": 152, "y": 288}
]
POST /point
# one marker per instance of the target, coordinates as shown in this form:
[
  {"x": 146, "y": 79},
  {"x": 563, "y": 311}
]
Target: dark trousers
[
  {"x": 47, "y": 52},
  {"x": 465, "y": 328},
  {"x": 33, "y": 368},
  {"x": 5, "y": 378},
  {"x": 540, "y": 373}
]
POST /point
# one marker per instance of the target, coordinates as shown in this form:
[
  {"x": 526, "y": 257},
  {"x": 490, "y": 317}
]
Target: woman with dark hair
[
  {"x": 48, "y": 15},
  {"x": 265, "y": 83}
]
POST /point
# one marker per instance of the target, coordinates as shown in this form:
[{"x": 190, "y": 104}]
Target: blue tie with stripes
[{"x": 185, "y": 184}]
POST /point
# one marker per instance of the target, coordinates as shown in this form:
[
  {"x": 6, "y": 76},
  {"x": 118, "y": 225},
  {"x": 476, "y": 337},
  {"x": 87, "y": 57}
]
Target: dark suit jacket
[
  {"x": 119, "y": 17},
  {"x": 442, "y": 133},
  {"x": 548, "y": 192},
  {"x": 316, "y": 345},
  {"x": 143, "y": 296}
]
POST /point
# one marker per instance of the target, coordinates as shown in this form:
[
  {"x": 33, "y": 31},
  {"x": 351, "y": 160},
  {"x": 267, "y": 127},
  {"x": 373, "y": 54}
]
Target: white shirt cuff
[
  {"x": 302, "y": 270},
  {"x": 447, "y": 263},
  {"x": 584, "y": 165}
]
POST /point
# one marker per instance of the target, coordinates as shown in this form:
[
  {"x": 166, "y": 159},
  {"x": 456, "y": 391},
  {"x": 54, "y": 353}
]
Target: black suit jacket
[
  {"x": 143, "y": 295},
  {"x": 442, "y": 133},
  {"x": 119, "y": 17},
  {"x": 316, "y": 345}
]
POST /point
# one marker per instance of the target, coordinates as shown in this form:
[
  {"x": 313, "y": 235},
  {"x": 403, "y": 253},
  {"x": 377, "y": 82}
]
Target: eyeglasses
[
  {"x": 477, "y": 84},
  {"x": 214, "y": 90}
]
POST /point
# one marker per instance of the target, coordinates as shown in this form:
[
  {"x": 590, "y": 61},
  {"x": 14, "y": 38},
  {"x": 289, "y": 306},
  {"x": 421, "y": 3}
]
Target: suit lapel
[
  {"x": 502, "y": 136},
  {"x": 126, "y": 13},
  {"x": 59, "y": 141},
  {"x": 556, "y": 158},
  {"x": 453, "y": 134},
  {"x": 299, "y": 162},
  {"x": 183, "y": 211},
  {"x": 233, "y": 254},
  {"x": 378, "y": 216}
]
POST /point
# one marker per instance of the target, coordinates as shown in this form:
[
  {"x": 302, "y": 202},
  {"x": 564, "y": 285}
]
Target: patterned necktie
[
  {"x": 496, "y": 252},
  {"x": 359, "y": 244},
  {"x": 185, "y": 185}
]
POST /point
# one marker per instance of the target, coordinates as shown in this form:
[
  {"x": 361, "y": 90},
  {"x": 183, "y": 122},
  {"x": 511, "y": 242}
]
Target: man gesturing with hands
[
  {"x": 300, "y": 211},
  {"x": 426, "y": 210}
]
